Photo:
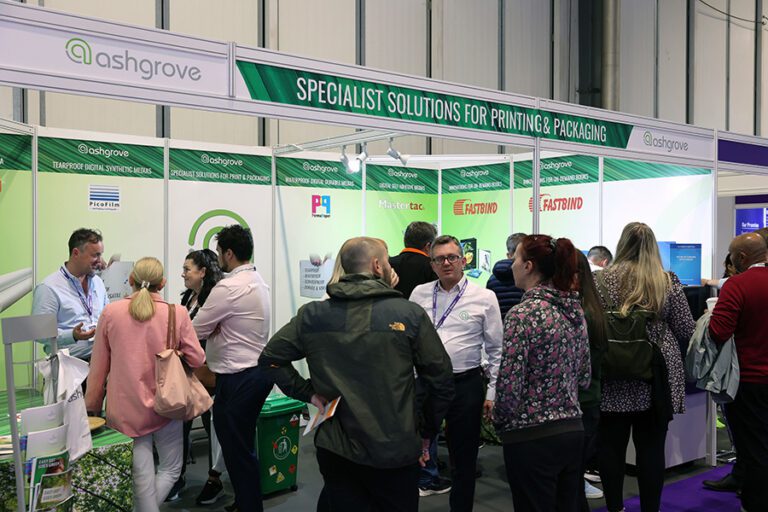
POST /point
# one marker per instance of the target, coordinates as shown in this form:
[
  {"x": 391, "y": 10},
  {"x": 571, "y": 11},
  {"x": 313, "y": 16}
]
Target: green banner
[
  {"x": 327, "y": 92},
  {"x": 564, "y": 170},
  {"x": 217, "y": 167},
  {"x": 15, "y": 152},
  {"x": 624, "y": 170},
  {"x": 297, "y": 172},
  {"x": 383, "y": 178},
  {"x": 74, "y": 156},
  {"x": 477, "y": 178}
]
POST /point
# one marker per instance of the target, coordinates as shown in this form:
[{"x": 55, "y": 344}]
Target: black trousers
[
  {"x": 590, "y": 418},
  {"x": 462, "y": 433},
  {"x": 238, "y": 402},
  {"x": 351, "y": 487},
  {"x": 649, "y": 437},
  {"x": 748, "y": 419},
  {"x": 544, "y": 474}
]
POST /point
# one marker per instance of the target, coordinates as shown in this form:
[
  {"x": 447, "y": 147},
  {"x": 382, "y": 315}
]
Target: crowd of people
[{"x": 417, "y": 351}]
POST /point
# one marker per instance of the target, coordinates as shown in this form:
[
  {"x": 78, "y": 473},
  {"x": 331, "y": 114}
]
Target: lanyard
[
  {"x": 448, "y": 310},
  {"x": 86, "y": 302}
]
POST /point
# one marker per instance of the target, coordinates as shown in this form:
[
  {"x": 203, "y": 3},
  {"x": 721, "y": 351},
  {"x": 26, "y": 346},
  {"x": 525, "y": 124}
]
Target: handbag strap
[{"x": 171, "y": 341}]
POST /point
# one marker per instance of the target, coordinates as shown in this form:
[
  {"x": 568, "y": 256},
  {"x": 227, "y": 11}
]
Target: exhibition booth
[{"x": 591, "y": 171}]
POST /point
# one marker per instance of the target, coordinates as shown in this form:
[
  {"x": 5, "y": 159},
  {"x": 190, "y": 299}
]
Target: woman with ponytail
[
  {"x": 545, "y": 360},
  {"x": 636, "y": 279},
  {"x": 129, "y": 334}
]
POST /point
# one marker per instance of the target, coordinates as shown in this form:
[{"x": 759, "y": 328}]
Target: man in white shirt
[
  {"x": 468, "y": 320},
  {"x": 235, "y": 321}
]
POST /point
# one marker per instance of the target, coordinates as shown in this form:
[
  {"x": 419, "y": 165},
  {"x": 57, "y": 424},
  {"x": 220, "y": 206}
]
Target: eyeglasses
[{"x": 451, "y": 258}]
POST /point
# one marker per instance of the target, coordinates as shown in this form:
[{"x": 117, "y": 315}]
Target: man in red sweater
[{"x": 740, "y": 312}]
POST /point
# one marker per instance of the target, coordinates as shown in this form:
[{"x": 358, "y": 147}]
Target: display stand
[{"x": 15, "y": 330}]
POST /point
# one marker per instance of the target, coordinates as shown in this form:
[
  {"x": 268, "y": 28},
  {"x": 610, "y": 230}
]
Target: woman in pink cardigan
[{"x": 129, "y": 334}]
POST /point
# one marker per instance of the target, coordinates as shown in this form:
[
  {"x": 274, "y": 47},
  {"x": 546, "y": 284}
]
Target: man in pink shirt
[{"x": 235, "y": 321}]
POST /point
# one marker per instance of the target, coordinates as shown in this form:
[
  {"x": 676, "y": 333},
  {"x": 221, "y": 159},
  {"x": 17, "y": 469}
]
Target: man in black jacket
[
  {"x": 502, "y": 282},
  {"x": 412, "y": 264},
  {"x": 363, "y": 344}
]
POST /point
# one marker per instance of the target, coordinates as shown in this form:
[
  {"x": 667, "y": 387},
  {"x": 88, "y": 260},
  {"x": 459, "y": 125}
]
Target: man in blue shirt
[{"x": 75, "y": 294}]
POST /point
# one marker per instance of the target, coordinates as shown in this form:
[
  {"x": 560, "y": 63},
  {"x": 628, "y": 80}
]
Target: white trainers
[
  {"x": 592, "y": 476},
  {"x": 592, "y": 492}
]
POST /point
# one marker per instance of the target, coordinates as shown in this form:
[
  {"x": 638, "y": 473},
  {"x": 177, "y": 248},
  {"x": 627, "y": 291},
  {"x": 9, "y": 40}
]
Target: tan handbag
[{"x": 179, "y": 395}]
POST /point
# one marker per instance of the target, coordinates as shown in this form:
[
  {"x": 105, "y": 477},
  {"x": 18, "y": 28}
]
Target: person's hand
[
  {"x": 424, "y": 457},
  {"x": 393, "y": 279},
  {"x": 79, "y": 334},
  {"x": 488, "y": 409},
  {"x": 319, "y": 402}
]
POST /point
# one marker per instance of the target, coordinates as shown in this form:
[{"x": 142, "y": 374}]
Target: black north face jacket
[{"x": 363, "y": 344}]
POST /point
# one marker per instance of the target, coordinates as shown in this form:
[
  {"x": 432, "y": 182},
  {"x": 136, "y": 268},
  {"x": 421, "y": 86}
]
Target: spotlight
[
  {"x": 392, "y": 152},
  {"x": 345, "y": 158}
]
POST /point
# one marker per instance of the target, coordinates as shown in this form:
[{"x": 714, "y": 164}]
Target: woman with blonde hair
[
  {"x": 129, "y": 334},
  {"x": 636, "y": 280}
]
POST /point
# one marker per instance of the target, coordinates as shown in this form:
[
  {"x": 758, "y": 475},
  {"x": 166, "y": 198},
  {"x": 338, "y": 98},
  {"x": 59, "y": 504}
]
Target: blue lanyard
[
  {"x": 86, "y": 302},
  {"x": 448, "y": 310}
]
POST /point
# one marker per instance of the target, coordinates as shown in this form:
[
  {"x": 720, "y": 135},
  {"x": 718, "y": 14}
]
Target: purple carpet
[{"x": 689, "y": 495}]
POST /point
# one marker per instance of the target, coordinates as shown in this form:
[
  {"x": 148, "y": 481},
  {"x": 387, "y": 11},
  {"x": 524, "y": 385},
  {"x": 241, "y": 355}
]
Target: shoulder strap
[{"x": 170, "y": 340}]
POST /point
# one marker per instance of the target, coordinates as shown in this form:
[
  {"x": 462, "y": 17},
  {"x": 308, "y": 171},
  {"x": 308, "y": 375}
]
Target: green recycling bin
[{"x": 277, "y": 443}]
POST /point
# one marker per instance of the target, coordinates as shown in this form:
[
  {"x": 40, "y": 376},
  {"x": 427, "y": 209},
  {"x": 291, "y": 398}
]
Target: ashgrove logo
[
  {"x": 401, "y": 174},
  {"x": 321, "y": 203},
  {"x": 397, "y": 205},
  {"x": 307, "y": 166},
  {"x": 467, "y": 207},
  {"x": 85, "y": 149},
  {"x": 207, "y": 159},
  {"x": 206, "y": 218},
  {"x": 664, "y": 142},
  {"x": 474, "y": 173},
  {"x": 555, "y": 166},
  {"x": 79, "y": 51},
  {"x": 104, "y": 198},
  {"x": 547, "y": 203}
]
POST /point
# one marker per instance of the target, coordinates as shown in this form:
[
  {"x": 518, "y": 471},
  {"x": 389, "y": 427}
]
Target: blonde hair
[
  {"x": 644, "y": 283},
  {"x": 147, "y": 276}
]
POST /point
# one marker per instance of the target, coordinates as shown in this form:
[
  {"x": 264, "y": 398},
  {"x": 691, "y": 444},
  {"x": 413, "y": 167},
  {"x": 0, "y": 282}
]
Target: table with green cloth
[{"x": 101, "y": 479}]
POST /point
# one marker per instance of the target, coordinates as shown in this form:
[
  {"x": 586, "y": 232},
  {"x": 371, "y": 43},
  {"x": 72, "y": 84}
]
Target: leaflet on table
[
  {"x": 317, "y": 418},
  {"x": 53, "y": 492},
  {"x": 54, "y": 464},
  {"x": 46, "y": 442}
]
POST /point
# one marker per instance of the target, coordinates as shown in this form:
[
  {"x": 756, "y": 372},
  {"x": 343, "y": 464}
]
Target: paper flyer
[
  {"x": 53, "y": 490},
  {"x": 314, "y": 276},
  {"x": 46, "y": 442},
  {"x": 317, "y": 418},
  {"x": 54, "y": 464},
  {"x": 115, "y": 278},
  {"x": 44, "y": 417}
]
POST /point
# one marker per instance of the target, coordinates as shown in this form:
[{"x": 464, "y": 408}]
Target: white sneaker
[
  {"x": 592, "y": 492},
  {"x": 592, "y": 476}
]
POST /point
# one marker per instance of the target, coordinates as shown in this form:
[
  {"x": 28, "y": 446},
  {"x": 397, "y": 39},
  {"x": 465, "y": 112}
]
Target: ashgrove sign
[{"x": 308, "y": 89}]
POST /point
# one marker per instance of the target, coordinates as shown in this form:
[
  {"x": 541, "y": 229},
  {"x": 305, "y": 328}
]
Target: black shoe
[
  {"x": 173, "y": 494},
  {"x": 232, "y": 508},
  {"x": 440, "y": 486},
  {"x": 212, "y": 491},
  {"x": 726, "y": 484}
]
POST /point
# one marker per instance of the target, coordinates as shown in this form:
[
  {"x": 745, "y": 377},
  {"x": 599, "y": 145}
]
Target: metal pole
[
  {"x": 610, "y": 81},
  {"x": 17, "y": 462}
]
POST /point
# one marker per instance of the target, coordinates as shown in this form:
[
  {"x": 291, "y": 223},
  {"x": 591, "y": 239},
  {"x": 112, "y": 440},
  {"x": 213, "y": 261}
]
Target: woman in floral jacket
[{"x": 545, "y": 359}]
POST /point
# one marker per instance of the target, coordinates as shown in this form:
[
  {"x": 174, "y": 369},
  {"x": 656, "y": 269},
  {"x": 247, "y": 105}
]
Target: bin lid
[{"x": 277, "y": 405}]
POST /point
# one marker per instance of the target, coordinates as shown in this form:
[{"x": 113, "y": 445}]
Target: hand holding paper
[{"x": 323, "y": 412}]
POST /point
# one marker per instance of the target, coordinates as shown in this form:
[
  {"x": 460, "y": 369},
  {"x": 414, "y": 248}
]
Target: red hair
[{"x": 554, "y": 259}]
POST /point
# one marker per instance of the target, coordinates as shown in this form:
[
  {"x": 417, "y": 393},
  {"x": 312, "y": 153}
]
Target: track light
[
  {"x": 392, "y": 152},
  {"x": 345, "y": 158}
]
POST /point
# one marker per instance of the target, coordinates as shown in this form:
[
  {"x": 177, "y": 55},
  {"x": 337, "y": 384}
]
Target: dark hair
[
  {"x": 208, "y": 260},
  {"x": 554, "y": 259},
  {"x": 418, "y": 234},
  {"x": 590, "y": 302},
  {"x": 513, "y": 240},
  {"x": 600, "y": 252},
  {"x": 446, "y": 239},
  {"x": 83, "y": 236},
  {"x": 727, "y": 263},
  {"x": 237, "y": 238}
]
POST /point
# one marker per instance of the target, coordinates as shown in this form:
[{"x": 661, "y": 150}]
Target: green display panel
[
  {"x": 16, "y": 232},
  {"x": 209, "y": 190},
  {"x": 476, "y": 210},
  {"x": 395, "y": 197}
]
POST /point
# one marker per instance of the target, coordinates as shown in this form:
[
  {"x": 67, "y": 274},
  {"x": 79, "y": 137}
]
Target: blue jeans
[
  {"x": 429, "y": 473},
  {"x": 237, "y": 404}
]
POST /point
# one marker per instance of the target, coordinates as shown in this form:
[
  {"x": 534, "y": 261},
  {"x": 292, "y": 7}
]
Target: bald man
[
  {"x": 362, "y": 344},
  {"x": 740, "y": 312}
]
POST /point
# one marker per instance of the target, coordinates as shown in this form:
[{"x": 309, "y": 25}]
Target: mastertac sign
[{"x": 467, "y": 207}]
